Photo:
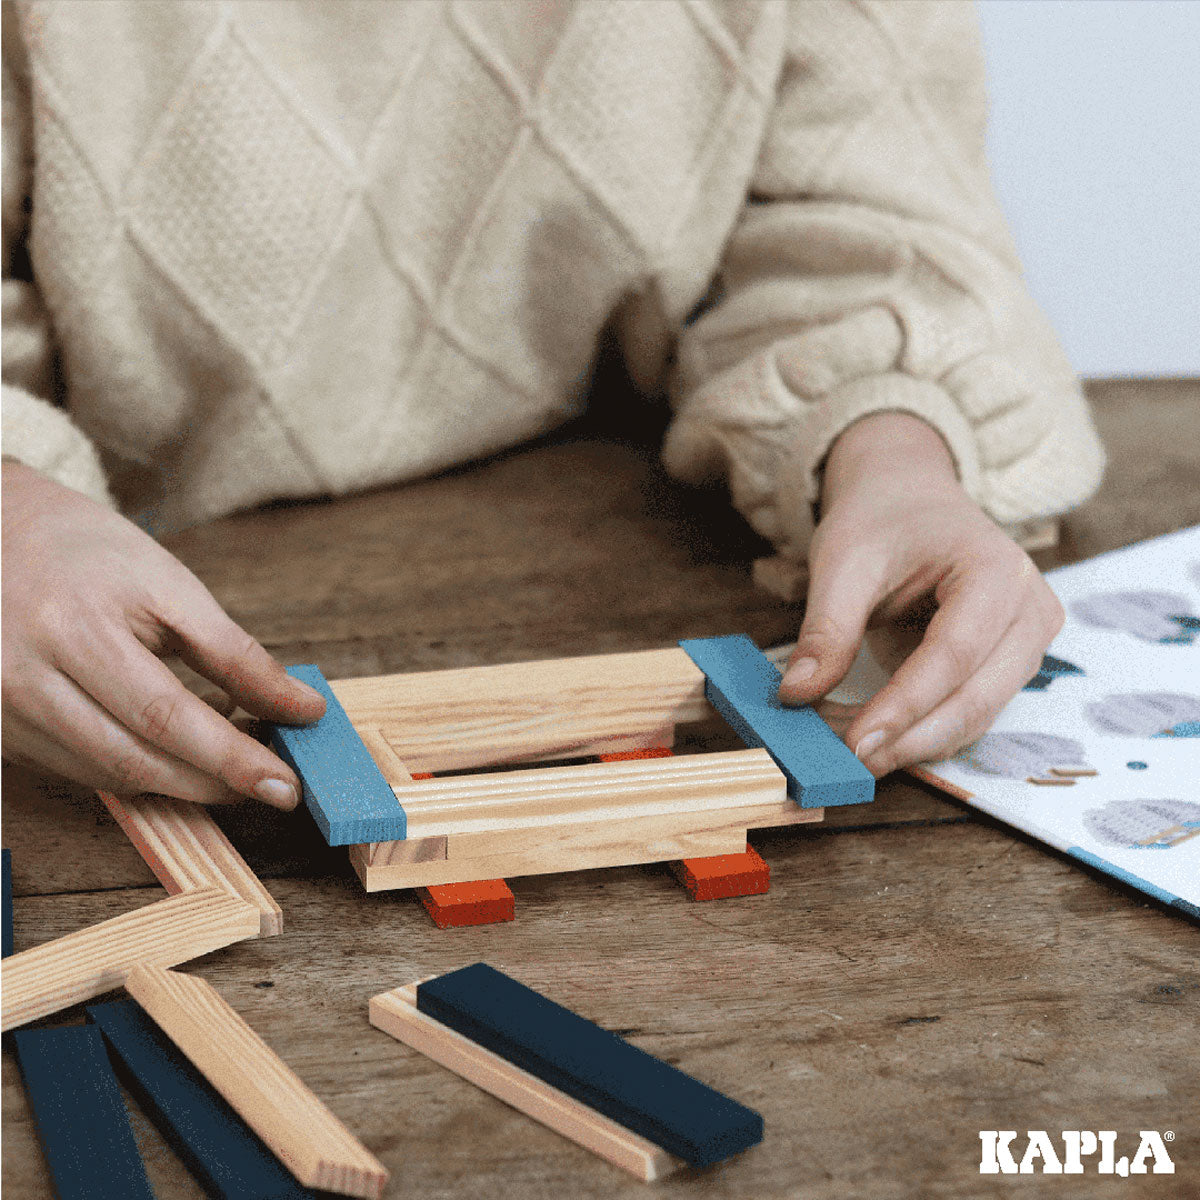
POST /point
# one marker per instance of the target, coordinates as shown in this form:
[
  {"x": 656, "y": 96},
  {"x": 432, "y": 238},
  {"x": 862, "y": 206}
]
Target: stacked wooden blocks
[
  {"x": 588, "y": 1084},
  {"x": 638, "y": 804}
]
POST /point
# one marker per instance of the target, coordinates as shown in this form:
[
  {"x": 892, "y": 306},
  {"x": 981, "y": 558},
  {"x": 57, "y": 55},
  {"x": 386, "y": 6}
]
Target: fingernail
[
  {"x": 307, "y": 690},
  {"x": 800, "y": 670},
  {"x": 278, "y": 793},
  {"x": 868, "y": 744}
]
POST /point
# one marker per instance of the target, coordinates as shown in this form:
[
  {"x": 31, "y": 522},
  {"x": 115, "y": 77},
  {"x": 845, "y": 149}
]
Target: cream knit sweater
[{"x": 257, "y": 250}]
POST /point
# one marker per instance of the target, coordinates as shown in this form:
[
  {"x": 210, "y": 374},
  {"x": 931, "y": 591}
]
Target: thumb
[{"x": 841, "y": 597}]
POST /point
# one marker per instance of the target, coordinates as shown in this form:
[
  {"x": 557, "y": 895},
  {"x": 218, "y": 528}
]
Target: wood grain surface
[{"x": 916, "y": 973}]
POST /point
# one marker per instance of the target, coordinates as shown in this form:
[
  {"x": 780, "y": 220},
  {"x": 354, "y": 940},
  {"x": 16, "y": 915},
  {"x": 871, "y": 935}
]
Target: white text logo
[{"x": 1040, "y": 1153}]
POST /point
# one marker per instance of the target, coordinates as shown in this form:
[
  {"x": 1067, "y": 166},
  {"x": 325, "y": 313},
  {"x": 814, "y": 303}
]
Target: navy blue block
[
  {"x": 80, "y": 1114},
  {"x": 633, "y": 1088},
  {"x": 226, "y": 1156},
  {"x": 345, "y": 791},
  {"x": 742, "y": 684},
  {"x": 7, "y": 903}
]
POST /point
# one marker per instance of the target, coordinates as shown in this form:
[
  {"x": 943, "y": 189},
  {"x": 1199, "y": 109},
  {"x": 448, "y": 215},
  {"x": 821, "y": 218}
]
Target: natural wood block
[
  {"x": 561, "y": 708},
  {"x": 79, "y": 966},
  {"x": 308, "y": 1139},
  {"x": 623, "y": 1082},
  {"x": 583, "y": 854},
  {"x": 588, "y": 793},
  {"x": 228, "y": 1159},
  {"x": 478, "y": 902},
  {"x": 187, "y": 851},
  {"x": 724, "y": 875},
  {"x": 396, "y": 1013}
]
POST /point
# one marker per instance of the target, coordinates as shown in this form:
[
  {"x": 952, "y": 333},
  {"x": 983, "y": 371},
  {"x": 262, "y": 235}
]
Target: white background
[{"x": 1095, "y": 150}]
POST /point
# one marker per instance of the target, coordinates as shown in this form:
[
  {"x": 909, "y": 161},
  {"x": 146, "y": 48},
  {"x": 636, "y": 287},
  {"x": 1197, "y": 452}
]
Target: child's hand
[
  {"x": 89, "y": 602},
  {"x": 896, "y": 531}
]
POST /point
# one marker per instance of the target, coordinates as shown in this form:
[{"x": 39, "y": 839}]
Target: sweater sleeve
[
  {"x": 35, "y": 431},
  {"x": 870, "y": 270}
]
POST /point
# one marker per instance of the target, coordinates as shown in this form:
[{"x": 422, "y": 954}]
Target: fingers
[
  {"x": 220, "y": 650},
  {"x": 142, "y": 695},
  {"x": 842, "y": 593},
  {"x": 65, "y": 730},
  {"x": 978, "y": 605},
  {"x": 969, "y": 712}
]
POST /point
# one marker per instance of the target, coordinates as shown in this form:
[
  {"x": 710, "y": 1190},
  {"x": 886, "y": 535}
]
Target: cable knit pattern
[{"x": 277, "y": 249}]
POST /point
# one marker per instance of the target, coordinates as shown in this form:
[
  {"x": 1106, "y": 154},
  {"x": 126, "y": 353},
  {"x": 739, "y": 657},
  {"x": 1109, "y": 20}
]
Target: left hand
[{"x": 898, "y": 532}]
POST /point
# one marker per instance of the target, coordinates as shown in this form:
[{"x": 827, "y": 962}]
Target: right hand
[{"x": 90, "y": 604}]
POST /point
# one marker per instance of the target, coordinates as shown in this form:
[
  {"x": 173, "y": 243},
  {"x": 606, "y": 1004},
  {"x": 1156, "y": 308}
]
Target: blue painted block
[
  {"x": 7, "y": 904},
  {"x": 225, "y": 1155},
  {"x": 345, "y": 791},
  {"x": 639, "y": 1091},
  {"x": 741, "y": 683},
  {"x": 80, "y": 1115}
]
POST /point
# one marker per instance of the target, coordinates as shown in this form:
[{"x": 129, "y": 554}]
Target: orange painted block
[
  {"x": 422, "y": 774},
  {"x": 453, "y": 905},
  {"x": 630, "y": 755},
  {"x": 724, "y": 875}
]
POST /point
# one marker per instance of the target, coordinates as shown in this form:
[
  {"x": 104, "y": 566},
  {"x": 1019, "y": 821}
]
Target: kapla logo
[{"x": 1041, "y": 1154}]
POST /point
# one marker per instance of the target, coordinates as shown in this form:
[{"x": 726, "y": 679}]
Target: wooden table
[{"x": 917, "y": 972}]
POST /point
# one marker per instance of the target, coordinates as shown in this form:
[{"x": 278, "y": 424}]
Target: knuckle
[
  {"x": 156, "y": 721},
  {"x": 821, "y": 633},
  {"x": 960, "y": 654},
  {"x": 128, "y": 773},
  {"x": 975, "y": 715}
]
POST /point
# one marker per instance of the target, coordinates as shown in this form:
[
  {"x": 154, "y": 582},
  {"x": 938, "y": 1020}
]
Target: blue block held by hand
[{"x": 742, "y": 684}]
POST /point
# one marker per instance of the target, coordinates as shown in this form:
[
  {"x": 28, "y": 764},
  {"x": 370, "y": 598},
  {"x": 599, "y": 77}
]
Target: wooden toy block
[
  {"x": 228, "y": 1159},
  {"x": 724, "y": 875},
  {"x": 188, "y": 851},
  {"x": 634, "y": 755},
  {"x": 6, "y": 904},
  {"x": 513, "y": 712},
  {"x": 742, "y": 685},
  {"x": 306, "y": 1137},
  {"x": 483, "y": 902},
  {"x": 513, "y": 823},
  {"x": 345, "y": 791},
  {"x": 48, "y": 978},
  {"x": 585, "y": 852},
  {"x": 79, "y": 1113},
  {"x": 655, "y": 1100},
  {"x": 396, "y": 1013}
]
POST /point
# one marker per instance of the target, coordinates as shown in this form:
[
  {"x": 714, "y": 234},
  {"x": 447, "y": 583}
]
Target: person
[{"x": 256, "y": 251}]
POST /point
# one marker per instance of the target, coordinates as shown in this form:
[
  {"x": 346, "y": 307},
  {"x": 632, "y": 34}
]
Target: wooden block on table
[
  {"x": 584, "y": 852},
  {"x": 230, "y": 1161},
  {"x": 187, "y": 851},
  {"x": 396, "y": 1013},
  {"x": 561, "y": 708},
  {"x": 742, "y": 686},
  {"x": 307, "y": 1138},
  {"x": 6, "y": 907},
  {"x": 650, "y": 1097},
  {"x": 479, "y": 902},
  {"x": 79, "y": 1113},
  {"x": 345, "y": 791},
  {"x": 724, "y": 876},
  {"x": 48, "y": 978}
]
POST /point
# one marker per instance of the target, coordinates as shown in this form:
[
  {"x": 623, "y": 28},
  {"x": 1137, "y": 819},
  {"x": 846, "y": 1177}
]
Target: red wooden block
[
  {"x": 422, "y": 774},
  {"x": 724, "y": 875},
  {"x": 629, "y": 755},
  {"x": 453, "y": 905}
]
